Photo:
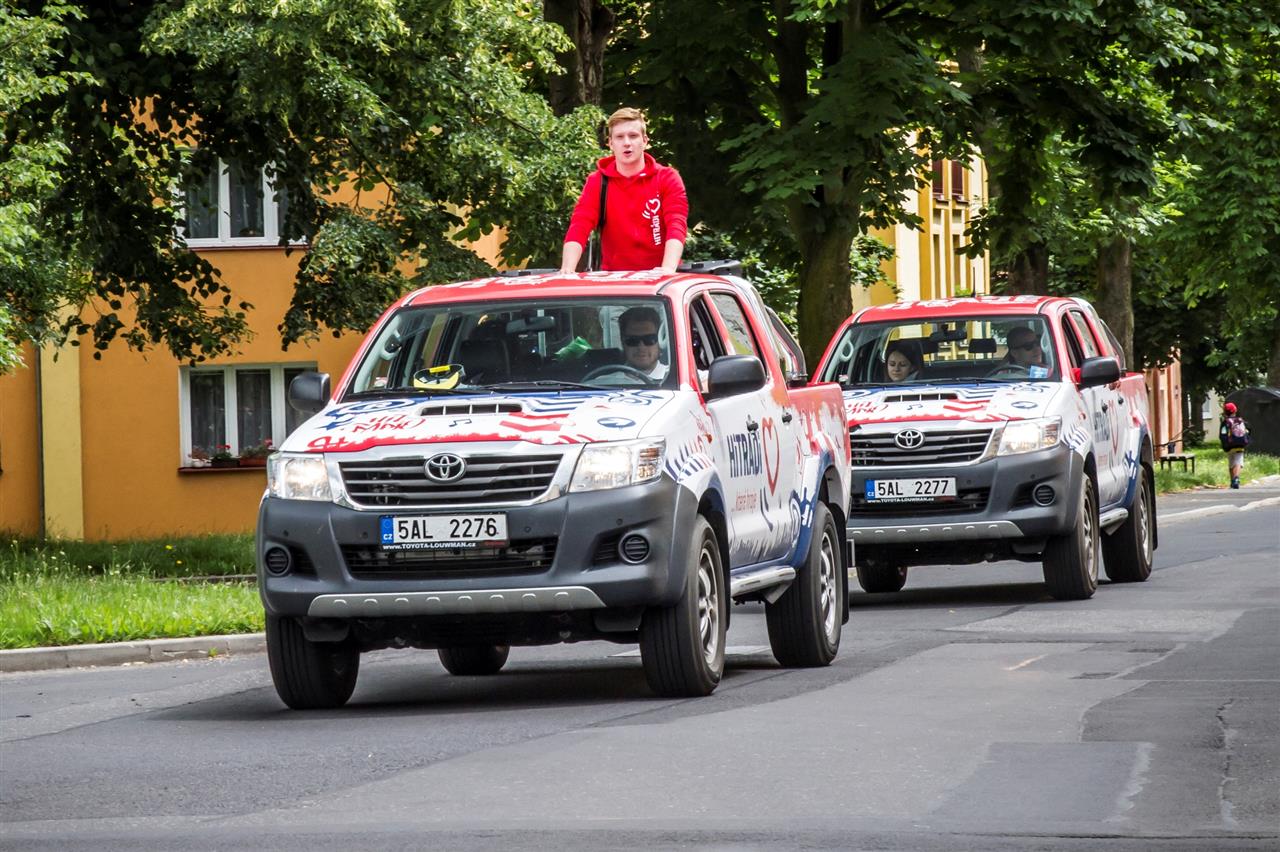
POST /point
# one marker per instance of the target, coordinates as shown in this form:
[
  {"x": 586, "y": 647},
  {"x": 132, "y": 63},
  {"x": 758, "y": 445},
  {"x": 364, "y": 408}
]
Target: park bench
[{"x": 1170, "y": 457}]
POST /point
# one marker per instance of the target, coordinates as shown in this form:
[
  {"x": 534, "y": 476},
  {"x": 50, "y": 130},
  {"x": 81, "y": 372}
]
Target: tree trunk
[
  {"x": 825, "y": 282},
  {"x": 588, "y": 24},
  {"x": 1273, "y": 368},
  {"x": 1192, "y": 431},
  {"x": 1029, "y": 271},
  {"x": 1115, "y": 291}
]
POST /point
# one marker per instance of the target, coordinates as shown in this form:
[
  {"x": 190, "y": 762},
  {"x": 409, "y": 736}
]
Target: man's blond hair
[{"x": 625, "y": 114}]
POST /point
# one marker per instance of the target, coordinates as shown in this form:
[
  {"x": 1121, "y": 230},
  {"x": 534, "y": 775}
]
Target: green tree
[
  {"x": 29, "y": 165},
  {"x": 797, "y": 125},
  {"x": 423, "y": 106},
  {"x": 1226, "y": 243}
]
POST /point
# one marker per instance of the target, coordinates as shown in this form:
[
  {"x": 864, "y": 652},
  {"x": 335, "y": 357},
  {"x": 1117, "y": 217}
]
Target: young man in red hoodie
[{"x": 646, "y": 209}]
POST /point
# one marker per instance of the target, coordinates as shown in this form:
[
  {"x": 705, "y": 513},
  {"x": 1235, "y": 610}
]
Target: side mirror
[
  {"x": 734, "y": 374},
  {"x": 1102, "y": 370},
  {"x": 309, "y": 392}
]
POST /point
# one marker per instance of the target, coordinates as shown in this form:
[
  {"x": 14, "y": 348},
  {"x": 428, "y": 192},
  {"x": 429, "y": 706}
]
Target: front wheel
[
  {"x": 682, "y": 646},
  {"x": 474, "y": 659},
  {"x": 1129, "y": 552},
  {"x": 804, "y": 623},
  {"x": 877, "y": 579},
  {"x": 309, "y": 675},
  {"x": 1071, "y": 560}
]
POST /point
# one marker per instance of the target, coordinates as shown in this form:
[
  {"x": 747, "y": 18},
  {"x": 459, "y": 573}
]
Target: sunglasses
[
  {"x": 641, "y": 340},
  {"x": 1026, "y": 347}
]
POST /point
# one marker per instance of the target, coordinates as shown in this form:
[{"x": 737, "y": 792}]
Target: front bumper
[
  {"x": 996, "y": 501},
  {"x": 338, "y": 568}
]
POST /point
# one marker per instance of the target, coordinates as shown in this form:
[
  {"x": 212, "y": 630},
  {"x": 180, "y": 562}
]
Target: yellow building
[
  {"x": 109, "y": 448},
  {"x": 929, "y": 263}
]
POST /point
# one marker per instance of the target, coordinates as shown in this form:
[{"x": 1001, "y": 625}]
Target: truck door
[
  {"x": 1113, "y": 410},
  {"x": 760, "y": 469},
  {"x": 1098, "y": 404}
]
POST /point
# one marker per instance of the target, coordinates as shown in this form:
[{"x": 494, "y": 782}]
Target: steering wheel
[
  {"x": 1011, "y": 370},
  {"x": 625, "y": 369}
]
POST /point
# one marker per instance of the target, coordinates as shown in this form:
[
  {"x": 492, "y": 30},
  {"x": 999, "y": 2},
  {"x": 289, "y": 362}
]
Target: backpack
[{"x": 1237, "y": 433}]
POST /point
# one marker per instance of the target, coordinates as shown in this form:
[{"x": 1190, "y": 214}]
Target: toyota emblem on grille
[
  {"x": 909, "y": 439},
  {"x": 445, "y": 467}
]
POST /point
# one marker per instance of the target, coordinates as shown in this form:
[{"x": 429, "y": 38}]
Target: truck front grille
[
  {"x": 518, "y": 557},
  {"x": 488, "y": 479},
  {"x": 950, "y": 447}
]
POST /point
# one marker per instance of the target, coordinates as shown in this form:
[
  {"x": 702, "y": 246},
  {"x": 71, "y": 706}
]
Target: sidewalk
[{"x": 1171, "y": 508}]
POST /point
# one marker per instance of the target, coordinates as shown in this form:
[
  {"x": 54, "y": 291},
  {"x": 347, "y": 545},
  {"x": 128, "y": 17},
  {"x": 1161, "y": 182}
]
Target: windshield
[
  {"x": 1001, "y": 349},
  {"x": 520, "y": 345}
]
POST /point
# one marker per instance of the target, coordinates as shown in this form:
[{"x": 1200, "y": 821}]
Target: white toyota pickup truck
[
  {"x": 533, "y": 459},
  {"x": 994, "y": 428}
]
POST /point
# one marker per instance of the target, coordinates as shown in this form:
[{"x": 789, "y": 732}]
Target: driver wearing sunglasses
[
  {"x": 1024, "y": 347},
  {"x": 639, "y": 327}
]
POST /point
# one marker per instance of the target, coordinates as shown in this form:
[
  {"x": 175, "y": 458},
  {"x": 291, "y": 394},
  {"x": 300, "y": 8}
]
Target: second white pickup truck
[{"x": 994, "y": 428}]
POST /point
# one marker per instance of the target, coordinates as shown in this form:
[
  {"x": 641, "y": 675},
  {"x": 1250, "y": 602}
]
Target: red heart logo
[{"x": 769, "y": 435}]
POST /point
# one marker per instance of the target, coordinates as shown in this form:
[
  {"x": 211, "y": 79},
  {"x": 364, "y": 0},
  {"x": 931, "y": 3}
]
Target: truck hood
[
  {"x": 571, "y": 417},
  {"x": 983, "y": 403}
]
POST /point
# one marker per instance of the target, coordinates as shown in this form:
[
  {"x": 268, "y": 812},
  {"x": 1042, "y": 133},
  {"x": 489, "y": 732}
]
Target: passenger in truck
[
  {"x": 1024, "y": 347},
  {"x": 639, "y": 327},
  {"x": 902, "y": 361}
]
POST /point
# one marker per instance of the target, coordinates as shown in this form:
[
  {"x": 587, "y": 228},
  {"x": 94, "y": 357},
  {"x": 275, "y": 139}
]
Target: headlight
[
  {"x": 1025, "y": 436},
  {"x": 298, "y": 477},
  {"x": 614, "y": 465}
]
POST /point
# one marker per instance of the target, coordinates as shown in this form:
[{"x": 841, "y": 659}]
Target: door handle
[
  {"x": 751, "y": 424},
  {"x": 786, "y": 416}
]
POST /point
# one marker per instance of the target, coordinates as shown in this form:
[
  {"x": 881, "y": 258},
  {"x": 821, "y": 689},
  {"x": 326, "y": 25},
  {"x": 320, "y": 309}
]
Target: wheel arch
[{"x": 711, "y": 507}]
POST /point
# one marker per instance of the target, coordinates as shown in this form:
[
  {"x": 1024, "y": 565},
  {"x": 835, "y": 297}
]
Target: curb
[{"x": 117, "y": 653}]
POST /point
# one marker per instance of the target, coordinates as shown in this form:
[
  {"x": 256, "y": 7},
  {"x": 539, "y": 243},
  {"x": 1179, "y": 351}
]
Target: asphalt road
[{"x": 969, "y": 711}]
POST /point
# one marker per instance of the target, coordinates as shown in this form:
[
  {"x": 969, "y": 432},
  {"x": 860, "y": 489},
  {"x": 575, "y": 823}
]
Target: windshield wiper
[
  {"x": 541, "y": 384},
  {"x": 380, "y": 393}
]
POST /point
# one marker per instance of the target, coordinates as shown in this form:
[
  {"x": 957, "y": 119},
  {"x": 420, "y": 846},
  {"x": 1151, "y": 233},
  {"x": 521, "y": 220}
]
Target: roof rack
[
  {"x": 706, "y": 267},
  {"x": 520, "y": 273},
  {"x": 712, "y": 267}
]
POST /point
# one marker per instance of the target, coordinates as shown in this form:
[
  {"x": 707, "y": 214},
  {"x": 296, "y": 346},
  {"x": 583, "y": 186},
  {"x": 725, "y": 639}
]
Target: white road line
[{"x": 1220, "y": 509}]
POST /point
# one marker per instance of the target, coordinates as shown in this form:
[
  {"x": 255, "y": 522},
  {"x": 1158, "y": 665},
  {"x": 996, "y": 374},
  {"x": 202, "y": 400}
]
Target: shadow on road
[{"x": 1004, "y": 594}]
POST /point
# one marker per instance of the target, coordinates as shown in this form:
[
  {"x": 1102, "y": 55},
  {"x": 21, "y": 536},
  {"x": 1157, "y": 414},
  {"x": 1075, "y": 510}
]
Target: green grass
[
  {"x": 1211, "y": 470},
  {"x": 70, "y": 592}
]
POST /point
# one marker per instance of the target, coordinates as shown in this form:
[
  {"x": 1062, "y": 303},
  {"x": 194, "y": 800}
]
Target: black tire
[
  {"x": 309, "y": 675},
  {"x": 1071, "y": 560},
  {"x": 1129, "y": 552},
  {"x": 682, "y": 646},
  {"x": 474, "y": 659},
  {"x": 877, "y": 579},
  {"x": 804, "y": 623}
]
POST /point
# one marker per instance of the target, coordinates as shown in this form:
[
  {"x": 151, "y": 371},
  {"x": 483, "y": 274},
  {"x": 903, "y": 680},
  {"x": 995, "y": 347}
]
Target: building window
[
  {"x": 233, "y": 206},
  {"x": 938, "y": 193},
  {"x": 236, "y": 407},
  {"x": 957, "y": 180}
]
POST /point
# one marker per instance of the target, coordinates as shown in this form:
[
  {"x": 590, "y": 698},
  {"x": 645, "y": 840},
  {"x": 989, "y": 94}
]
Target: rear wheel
[
  {"x": 1129, "y": 552},
  {"x": 1071, "y": 560},
  {"x": 882, "y": 578},
  {"x": 682, "y": 646},
  {"x": 474, "y": 659},
  {"x": 309, "y": 675},
  {"x": 804, "y": 623}
]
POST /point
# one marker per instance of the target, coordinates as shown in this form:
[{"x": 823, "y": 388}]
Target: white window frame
[
  {"x": 270, "y": 214},
  {"x": 279, "y": 401}
]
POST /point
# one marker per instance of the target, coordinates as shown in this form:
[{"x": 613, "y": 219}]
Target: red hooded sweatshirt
[{"x": 642, "y": 212}]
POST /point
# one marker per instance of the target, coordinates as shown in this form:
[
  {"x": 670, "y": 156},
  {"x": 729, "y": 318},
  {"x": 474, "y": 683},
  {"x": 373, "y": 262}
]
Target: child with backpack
[{"x": 1233, "y": 434}]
